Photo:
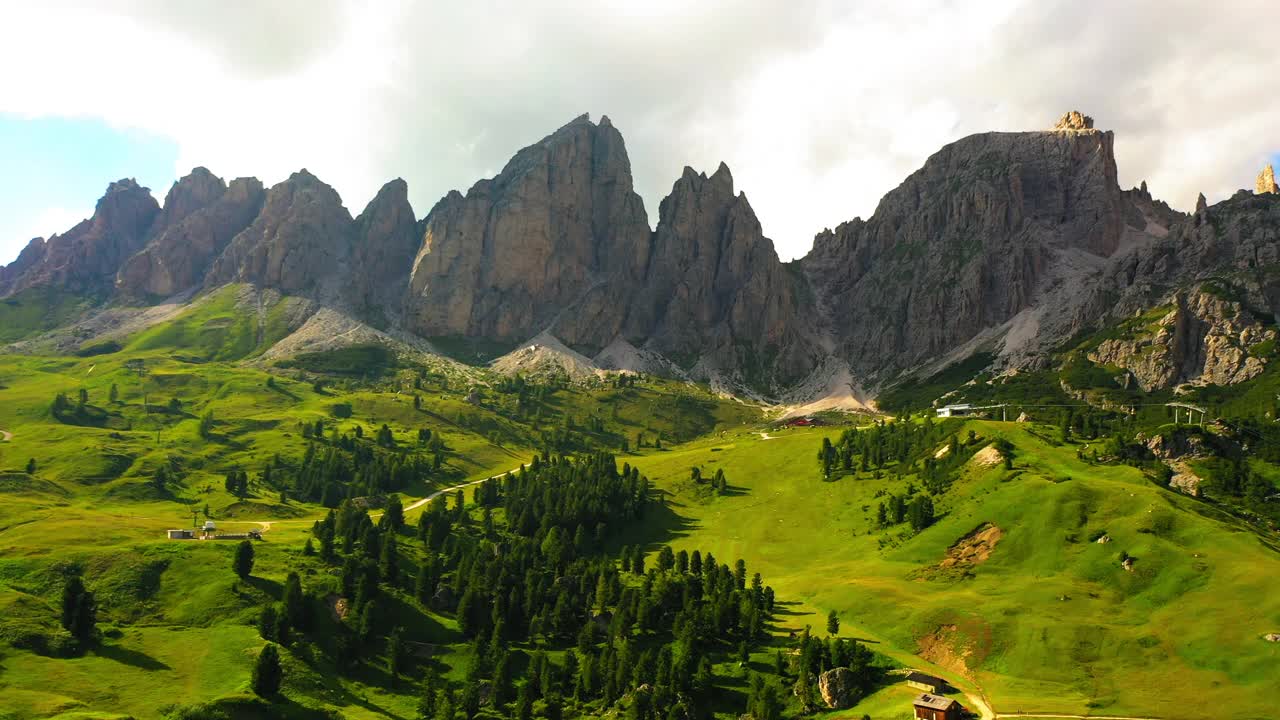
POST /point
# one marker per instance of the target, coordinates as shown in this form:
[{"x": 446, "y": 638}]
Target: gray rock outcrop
[
  {"x": 85, "y": 259},
  {"x": 201, "y": 215},
  {"x": 386, "y": 240},
  {"x": 838, "y": 688},
  {"x": 966, "y": 243},
  {"x": 299, "y": 243},
  {"x": 1204, "y": 338},
  {"x": 505, "y": 260}
]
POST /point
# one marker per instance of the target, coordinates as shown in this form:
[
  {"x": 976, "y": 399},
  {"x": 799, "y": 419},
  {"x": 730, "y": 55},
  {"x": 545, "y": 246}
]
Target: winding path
[{"x": 419, "y": 503}]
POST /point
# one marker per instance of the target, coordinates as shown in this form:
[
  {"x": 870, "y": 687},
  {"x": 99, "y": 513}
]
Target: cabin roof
[{"x": 934, "y": 702}]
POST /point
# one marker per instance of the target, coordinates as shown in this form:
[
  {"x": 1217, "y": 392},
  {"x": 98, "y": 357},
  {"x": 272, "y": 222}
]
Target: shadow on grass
[
  {"x": 227, "y": 440},
  {"x": 660, "y": 525},
  {"x": 783, "y": 607},
  {"x": 283, "y": 391},
  {"x": 270, "y": 588},
  {"x": 126, "y": 656}
]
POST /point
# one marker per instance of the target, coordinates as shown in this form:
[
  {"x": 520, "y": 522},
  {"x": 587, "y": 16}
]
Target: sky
[{"x": 819, "y": 107}]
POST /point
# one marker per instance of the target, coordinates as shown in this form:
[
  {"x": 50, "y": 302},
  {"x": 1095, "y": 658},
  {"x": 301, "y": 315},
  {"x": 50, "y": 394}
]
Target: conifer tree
[{"x": 267, "y": 673}]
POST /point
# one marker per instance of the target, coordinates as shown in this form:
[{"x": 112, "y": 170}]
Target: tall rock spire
[{"x": 1267, "y": 181}]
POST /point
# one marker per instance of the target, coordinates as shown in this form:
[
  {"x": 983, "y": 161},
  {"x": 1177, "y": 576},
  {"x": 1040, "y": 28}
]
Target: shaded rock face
[
  {"x": 201, "y": 216},
  {"x": 386, "y": 239},
  {"x": 299, "y": 243},
  {"x": 997, "y": 235},
  {"x": 197, "y": 190},
  {"x": 1204, "y": 339},
  {"x": 86, "y": 257},
  {"x": 31, "y": 256},
  {"x": 714, "y": 283},
  {"x": 505, "y": 260},
  {"x": 1235, "y": 238},
  {"x": 965, "y": 243}
]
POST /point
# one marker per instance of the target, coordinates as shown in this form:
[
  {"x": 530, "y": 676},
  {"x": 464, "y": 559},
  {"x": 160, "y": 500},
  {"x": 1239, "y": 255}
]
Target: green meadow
[
  {"x": 1050, "y": 622},
  {"x": 1046, "y": 621}
]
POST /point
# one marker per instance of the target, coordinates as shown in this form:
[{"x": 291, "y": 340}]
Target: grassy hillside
[
  {"x": 177, "y": 626},
  {"x": 1051, "y": 621},
  {"x": 1003, "y": 588}
]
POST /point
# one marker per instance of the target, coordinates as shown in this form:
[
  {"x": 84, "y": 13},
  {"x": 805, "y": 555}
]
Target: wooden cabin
[
  {"x": 936, "y": 707},
  {"x": 927, "y": 683}
]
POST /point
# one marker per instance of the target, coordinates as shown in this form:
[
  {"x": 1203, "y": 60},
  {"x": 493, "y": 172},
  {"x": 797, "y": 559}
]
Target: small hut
[
  {"x": 927, "y": 683},
  {"x": 934, "y": 707}
]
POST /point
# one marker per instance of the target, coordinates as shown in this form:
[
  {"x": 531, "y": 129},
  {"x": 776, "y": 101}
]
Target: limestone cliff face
[
  {"x": 1204, "y": 339},
  {"x": 299, "y": 243},
  {"x": 86, "y": 257},
  {"x": 200, "y": 217},
  {"x": 999, "y": 237},
  {"x": 505, "y": 260},
  {"x": 1237, "y": 239},
  {"x": 386, "y": 240},
  {"x": 30, "y": 257},
  {"x": 197, "y": 190},
  {"x": 714, "y": 284},
  {"x": 965, "y": 242}
]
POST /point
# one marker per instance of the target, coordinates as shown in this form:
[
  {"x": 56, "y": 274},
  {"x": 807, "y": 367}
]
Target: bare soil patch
[{"x": 974, "y": 548}]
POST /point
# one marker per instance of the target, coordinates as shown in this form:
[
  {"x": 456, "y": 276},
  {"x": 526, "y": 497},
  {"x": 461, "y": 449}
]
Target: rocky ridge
[
  {"x": 85, "y": 259},
  {"x": 1001, "y": 243}
]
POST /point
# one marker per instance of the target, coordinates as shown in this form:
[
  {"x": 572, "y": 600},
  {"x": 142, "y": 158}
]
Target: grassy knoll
[{"x": 1050, "y": 622}]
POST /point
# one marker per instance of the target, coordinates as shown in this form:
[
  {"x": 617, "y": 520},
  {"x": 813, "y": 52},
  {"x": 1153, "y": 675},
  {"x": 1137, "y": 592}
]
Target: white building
[{"x": 954, "y": 410}]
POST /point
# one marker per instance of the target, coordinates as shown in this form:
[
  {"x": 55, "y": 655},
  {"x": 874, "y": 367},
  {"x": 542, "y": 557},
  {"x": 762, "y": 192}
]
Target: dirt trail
[
  {"x": 766, "y": 436},
  {"x": 266, "y": 524},
  {"x": 5, "y": 436},
  {"x": 419, "y": 503}
]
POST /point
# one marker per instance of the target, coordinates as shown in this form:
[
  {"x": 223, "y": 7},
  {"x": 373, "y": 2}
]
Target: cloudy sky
[{"x": 819, "y": 107}]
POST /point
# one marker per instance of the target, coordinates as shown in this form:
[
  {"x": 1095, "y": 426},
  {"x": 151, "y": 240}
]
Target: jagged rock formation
[
  {"x": 1232, "y": 239},
  {"x": 299, "y": 243},
  {"x": 559, "y": 241},
  {"x": 505, "y": 260},
  {"x": 1075, "y": 120},
  {"x": 967, "y": 242},
  {"x": 196, "y": 191},
  {"x": 201, "y": 215},
  {"x": 86, "y": 257},
  {"x": 1002, "y": 243},
  {"x": 1267, "y": 181},
  {"x": 713, "y": 296},
  {"x": 1205, "y": 339},
  {"x": 715, "y": 281},
  {"x": 387, "y": 237}
]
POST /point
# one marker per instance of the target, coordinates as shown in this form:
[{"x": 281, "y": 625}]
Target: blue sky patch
[{"x": 55, "y": 169}]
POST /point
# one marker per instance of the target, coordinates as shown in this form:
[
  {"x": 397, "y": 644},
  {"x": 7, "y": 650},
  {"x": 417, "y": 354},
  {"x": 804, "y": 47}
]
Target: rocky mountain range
[{"x": 1004, "y": 243}]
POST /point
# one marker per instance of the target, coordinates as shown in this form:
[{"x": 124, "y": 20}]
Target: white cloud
[
  {"x": 48, "y": 221},
  {"x": 819, "y": 107}
]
